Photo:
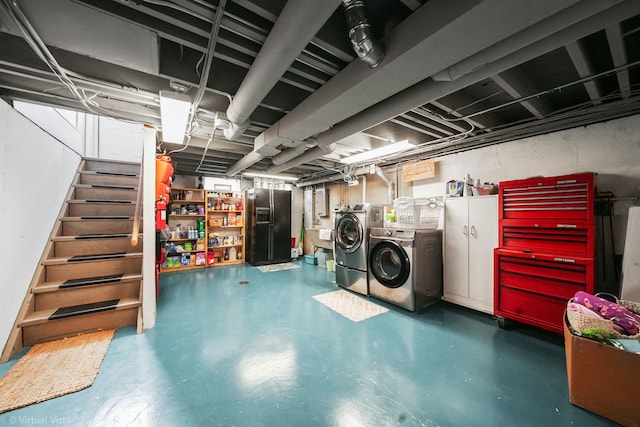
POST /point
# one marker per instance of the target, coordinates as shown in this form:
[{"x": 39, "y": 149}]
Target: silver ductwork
[
  {"x": 366, "y": 46},
  {"x": 388, "y": 182}
]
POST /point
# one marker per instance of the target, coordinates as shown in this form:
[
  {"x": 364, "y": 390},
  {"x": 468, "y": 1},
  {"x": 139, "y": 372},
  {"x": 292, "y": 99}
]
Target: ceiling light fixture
[
  {"x": 174, "y": 115},
  {"x": 263, "y": 175},
  {"x": 376, "y": 153}
]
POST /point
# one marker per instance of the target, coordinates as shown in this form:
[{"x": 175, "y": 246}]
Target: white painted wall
[
  {"x": 35, "y": 173},
  {"x": 611, "y": 149}
]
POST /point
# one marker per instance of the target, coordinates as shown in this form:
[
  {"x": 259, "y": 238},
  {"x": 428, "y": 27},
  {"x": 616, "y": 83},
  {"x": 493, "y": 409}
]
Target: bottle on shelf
[
  {"x": 226, "y": 254},
  {"x": 232, "y": 254}
]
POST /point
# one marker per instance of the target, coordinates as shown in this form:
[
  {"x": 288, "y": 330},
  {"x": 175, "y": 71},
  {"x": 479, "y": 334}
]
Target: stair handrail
[{"x": 135, "y": 231}]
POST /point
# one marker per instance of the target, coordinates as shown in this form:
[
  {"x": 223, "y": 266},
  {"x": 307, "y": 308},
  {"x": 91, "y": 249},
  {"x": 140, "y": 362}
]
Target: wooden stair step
[
  {"x": 71, "y": 283},
  {"x": 101, "y": 201},
  {"x": 86, "y": 281},
  {"x": 95, "y": 217},
  {"x": 95, "y": 257},
  {"x": 44, "y": 316},
  {"x": 91, "y": 257},
  {"x": 80, "y": 309},
  {"x": 113, "y": 173},
  {"x": 107, "y": 186},
  {"x": 90, "y": 236}
]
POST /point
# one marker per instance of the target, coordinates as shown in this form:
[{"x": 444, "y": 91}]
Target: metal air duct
[{"x": 366, "y": 46}]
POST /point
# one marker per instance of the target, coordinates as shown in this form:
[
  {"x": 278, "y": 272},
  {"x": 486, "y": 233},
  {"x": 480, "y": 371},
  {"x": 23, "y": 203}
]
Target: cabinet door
[
  {"x": 456, "y": 231},
  {"x": 483, "y": 238}
]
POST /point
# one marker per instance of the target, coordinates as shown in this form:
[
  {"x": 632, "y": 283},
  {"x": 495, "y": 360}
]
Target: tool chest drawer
[
  {"x": 576, "y": 238},
  {"x": 535, "y": 287},
  {"x": 565, "y": 197},
  {"x": 534, "y": 309}
]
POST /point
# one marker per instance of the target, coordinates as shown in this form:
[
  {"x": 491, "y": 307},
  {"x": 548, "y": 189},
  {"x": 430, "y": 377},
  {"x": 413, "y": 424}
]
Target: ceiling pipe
[
  {"x": 388, "y": 182},
  {"x": 567, "y": 17},
  {"x": 368, "y": 48},
  {"x": 330, "y": 178},
  {"x": 297, "y": 24},
  {"x": 433, "y": 25},
  {"x": 308, "y": 156},
  {"x": 428, "y": 90},
  {"x": 289, "y": 154}
]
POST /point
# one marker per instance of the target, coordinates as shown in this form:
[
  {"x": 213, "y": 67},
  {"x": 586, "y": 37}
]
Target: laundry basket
[{"x": 419, "y": 213}]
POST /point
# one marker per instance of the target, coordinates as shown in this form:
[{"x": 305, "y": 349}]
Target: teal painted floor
[{"x": 267, "y": 354}]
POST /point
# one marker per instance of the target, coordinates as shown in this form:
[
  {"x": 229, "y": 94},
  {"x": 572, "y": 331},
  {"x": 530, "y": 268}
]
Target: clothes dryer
[
  {"x": 351, "y": 240},
  {"x": 405, "y": 267}
]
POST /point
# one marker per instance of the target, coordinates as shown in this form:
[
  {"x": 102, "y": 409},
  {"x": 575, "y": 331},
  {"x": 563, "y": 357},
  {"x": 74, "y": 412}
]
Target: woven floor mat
[
  {"x": 277, "y": 267},
  {"x": 349, "y": 305},
  {"x": 53, "y": 369}
]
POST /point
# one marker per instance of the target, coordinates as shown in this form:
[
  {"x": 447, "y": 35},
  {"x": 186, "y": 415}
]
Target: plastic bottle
[
  {"x": 466, "y": 189},
  {"x": 232, "y": 254}
]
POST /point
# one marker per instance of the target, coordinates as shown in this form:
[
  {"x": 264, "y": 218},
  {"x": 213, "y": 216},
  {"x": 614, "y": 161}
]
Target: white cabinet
[{"x": 470, "y": 235}]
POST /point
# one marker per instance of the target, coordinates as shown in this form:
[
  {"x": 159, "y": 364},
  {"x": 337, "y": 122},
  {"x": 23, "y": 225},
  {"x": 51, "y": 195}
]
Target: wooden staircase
[{"x": 90, "y": 275}]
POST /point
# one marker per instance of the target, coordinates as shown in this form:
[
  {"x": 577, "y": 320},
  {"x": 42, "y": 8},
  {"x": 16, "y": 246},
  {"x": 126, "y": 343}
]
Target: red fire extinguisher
[{"x": 161, "y": 214}]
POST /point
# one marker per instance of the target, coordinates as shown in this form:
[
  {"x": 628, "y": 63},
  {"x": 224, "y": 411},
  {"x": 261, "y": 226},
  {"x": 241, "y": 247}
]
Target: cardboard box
[{"x": 603, "y": 379}]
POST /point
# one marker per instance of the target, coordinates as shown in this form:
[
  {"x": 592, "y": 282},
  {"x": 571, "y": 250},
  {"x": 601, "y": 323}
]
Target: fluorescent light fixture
[
  {"x": 262, "y": 175},
  {"x": 376, "y": 153},
  {"x": 174, "y": 113}
]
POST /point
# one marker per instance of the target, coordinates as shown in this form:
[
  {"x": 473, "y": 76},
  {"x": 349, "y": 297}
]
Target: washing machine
[
  {"x": 353, "y": 223},
  {"x": 405, "y": 267}
]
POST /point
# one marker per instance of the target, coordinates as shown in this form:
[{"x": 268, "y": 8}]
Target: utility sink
[{"x": 313, "y": 234}]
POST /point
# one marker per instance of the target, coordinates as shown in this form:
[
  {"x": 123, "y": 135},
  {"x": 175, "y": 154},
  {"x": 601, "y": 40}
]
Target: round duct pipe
[{"x": 366, "y": 46}]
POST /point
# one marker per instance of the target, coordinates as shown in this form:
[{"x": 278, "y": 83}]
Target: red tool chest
[{"x": 546, "y": 247}]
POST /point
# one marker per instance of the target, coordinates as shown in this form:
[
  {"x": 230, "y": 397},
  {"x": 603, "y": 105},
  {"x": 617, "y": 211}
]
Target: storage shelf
[
  {"x": 221, "y": 263},
  {"x": 182, "y": 267},
  {"x": 185, "y": 252},
  {"x": 202, "y": 198}
]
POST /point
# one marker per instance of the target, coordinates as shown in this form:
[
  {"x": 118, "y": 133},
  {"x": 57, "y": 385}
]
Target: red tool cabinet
[{"x": 546, "y": 247}]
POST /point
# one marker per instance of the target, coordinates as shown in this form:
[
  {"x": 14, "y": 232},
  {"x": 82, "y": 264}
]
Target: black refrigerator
[{"x": 268, "y": 226}]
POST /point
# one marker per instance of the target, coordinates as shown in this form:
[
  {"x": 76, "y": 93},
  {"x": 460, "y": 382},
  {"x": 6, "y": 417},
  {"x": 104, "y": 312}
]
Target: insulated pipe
[
  {"x": 429, "y": 90},
  {"x": 563, "y": 19},
  {"x": 329, "y": 178},
  {"x": 388, "y": 182},
  {"x": 297, "y": 24},
  {"x": 308, "y": 156},
  {"x": 368, "y": 48},
  {"x": 289, "y": 154},
  {"x": 364, "y": 188}
]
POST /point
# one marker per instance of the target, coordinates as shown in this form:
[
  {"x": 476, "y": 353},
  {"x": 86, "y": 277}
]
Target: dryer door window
[
  {"x": 389, "y": 264},
  {"x": 349, "y": 233}
]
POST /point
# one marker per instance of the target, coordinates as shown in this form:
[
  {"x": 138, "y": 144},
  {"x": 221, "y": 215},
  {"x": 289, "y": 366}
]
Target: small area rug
[
  {"x": 277, "y": 267},
  {"x": 53, "y": 369},
  {"x": 350, "y": 305}
]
